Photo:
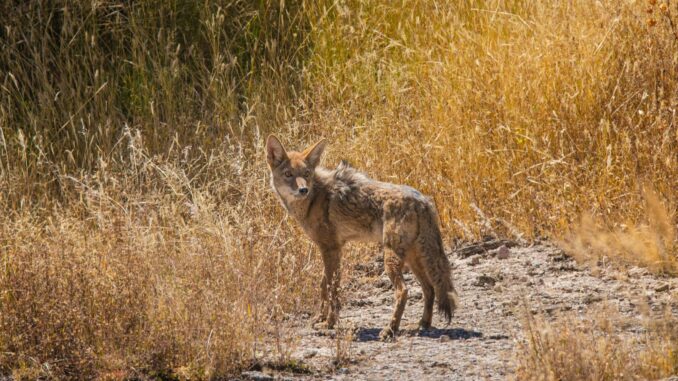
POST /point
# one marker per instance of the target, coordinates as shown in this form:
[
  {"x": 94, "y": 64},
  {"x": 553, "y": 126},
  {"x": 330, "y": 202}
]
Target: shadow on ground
[{"x": 372, "y": 334}]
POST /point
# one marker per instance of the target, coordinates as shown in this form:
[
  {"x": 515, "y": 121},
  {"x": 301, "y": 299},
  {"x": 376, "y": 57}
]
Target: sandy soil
[{"x": 496, "y": 288}]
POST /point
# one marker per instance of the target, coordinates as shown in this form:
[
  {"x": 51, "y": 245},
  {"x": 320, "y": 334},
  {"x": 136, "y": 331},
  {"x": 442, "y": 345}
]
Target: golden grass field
[{"x": 139, "y": 235}]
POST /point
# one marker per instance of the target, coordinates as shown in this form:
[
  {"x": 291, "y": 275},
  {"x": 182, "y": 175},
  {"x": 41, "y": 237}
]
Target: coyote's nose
[{"x": 303, "y": 190}]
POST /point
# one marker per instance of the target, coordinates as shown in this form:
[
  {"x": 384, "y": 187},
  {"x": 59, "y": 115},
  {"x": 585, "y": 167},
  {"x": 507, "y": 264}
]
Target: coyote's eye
[
  {"x": 288, "y": 174},
  {"x": 307, "y": 174}
]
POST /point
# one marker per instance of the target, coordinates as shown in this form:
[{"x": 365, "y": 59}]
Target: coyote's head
[{"x": 292, "y": 172}]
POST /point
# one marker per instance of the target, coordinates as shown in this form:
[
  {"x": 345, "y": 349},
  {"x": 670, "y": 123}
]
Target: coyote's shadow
[{"x": 372, "y": 334}]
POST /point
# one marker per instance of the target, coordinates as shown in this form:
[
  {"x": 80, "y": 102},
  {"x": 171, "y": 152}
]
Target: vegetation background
[{"x": 138, "y": 234}]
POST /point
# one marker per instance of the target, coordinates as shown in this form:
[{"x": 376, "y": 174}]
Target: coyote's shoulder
[{"x": 335, "y": 206}]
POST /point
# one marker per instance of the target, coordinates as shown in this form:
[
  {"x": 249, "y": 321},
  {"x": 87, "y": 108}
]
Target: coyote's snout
[{"x": 339, "y": 205}]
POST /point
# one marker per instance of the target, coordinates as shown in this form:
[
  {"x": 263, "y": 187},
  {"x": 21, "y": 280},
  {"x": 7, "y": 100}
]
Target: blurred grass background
[{"x": 139, "y": 233}]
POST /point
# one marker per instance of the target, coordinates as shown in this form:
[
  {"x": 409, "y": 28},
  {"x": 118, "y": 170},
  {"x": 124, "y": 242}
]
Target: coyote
[{"x": 342, "y": 204}]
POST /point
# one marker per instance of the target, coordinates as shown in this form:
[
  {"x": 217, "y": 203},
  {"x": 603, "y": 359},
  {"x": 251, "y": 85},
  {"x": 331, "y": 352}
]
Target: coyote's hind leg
[
  {"x": 415, "y": 264},
  {"x": 393, "y": 264}
]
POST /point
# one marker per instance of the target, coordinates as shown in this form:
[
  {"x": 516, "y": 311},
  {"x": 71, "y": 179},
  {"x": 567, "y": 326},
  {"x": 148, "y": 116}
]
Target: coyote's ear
[
  {"x": 275, "y": 152},
  {"x": 312, "y": 154}
]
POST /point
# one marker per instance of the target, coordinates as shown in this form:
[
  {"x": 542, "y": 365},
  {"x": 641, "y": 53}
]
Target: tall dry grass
[
  {"x": 650, "y": 243},
  {"x": 534, "y": 111},
  {"x": 174, "y": 280},
  {"x": 138, "y": 232},
  {"x": 593, "y": 347}
]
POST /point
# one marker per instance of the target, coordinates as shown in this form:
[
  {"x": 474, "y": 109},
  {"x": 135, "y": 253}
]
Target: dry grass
[
  {"x": 652, "y": 243},
  {"x": 139, "y": 235},
  {"x": 594, "y": 347},
  {"x": 534, "y": 111},
  {"x": 169, "y": 281}
]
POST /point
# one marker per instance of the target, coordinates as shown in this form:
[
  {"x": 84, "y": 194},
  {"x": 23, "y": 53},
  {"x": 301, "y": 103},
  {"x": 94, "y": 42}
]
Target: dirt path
[{"x": 479, "y": 342}]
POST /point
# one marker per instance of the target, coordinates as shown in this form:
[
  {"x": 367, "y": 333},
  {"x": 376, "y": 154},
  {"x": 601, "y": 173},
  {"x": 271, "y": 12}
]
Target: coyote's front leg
[
  {"x": 329, "y": 288},
  {"x": 324, "y": 303}
]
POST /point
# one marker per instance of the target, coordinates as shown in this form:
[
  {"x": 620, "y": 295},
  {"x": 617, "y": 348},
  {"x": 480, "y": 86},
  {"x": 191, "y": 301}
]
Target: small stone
[
  {"x": 485, "y": 281},
  {"x": 662, "y": 288},
  {"x": 444, "y": 338},
  {"x": 503, "y": 252},
  {"x": 415, "y": 296},
  {"x": 474, "y": 261},
  {"x": 343, "y": 370},
  {"x": 588, "y": 299},
  {"x": 498, "y": 288}
]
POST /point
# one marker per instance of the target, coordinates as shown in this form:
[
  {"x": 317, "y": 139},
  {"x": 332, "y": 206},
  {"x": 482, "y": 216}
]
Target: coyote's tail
[
  {"x": 438, "y": 267},
  {"x": 447, "y": 303},
  {"x": 444, "y": 289}
]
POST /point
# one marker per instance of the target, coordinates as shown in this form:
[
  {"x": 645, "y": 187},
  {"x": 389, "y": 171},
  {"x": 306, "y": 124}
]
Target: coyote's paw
[
  {"x": 417, "y": 328},
  {"x": 387, "y": 334},
  {"x": 424, "y": 326}
]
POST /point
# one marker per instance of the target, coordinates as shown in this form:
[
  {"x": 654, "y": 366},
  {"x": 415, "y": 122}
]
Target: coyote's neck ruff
[{"x": 340, "y": 205}]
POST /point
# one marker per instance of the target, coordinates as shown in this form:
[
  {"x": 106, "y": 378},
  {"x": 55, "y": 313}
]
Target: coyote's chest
[
  {"x": 348, "y": 231},
  {"x": 338, "y": 227}
]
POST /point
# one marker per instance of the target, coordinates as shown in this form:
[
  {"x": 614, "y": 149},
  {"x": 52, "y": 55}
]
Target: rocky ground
[{"x": 496, "y": 287}]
